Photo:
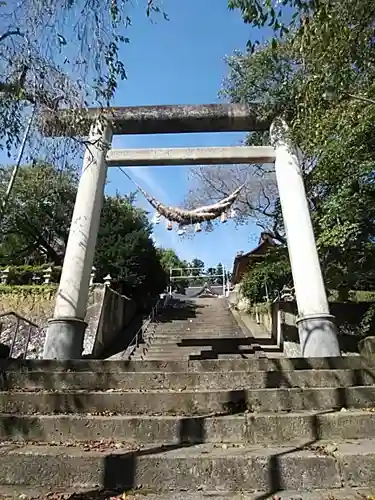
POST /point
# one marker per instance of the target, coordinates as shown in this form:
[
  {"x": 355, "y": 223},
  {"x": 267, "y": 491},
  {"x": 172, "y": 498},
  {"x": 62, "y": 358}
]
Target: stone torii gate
[{"x": 317, "y": 329}]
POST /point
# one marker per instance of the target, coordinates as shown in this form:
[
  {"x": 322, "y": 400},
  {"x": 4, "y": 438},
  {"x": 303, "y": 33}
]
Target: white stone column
[
  {"x": 316, "y": 327},
  {"x": 66, "y": 330}
]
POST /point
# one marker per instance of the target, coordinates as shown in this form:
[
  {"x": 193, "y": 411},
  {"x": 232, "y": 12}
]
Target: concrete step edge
[
  {"x": 17, "y": 492},
  {"x": 189, "y": 402},
  {"x": 256, "y": 428},
  {"x": 199, "y": 467},
  {"x": 36, "y": 381},
  {"x": 112, "y": 366}
]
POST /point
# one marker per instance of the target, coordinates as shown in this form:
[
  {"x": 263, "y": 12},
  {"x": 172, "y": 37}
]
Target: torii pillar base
[
  {"x": 65, "y": 337},
  {"x": 318, "y": 336}
]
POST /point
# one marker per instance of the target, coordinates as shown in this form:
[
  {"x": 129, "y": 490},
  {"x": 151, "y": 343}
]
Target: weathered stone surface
[
  {"x": 202, "y": 467},
  {"x": 11, "y": 493},
  {"x": 168, "y": 119},
  {"x": 358, "y": 462},
  {"x": 150, "y": 494},
  {"x": 190, "y": 429},
  {"x": 250, "y": 428},
  {"x": 207, "y": 365},
  {"x": 38, "y": 308},
  {"x": 187, "y": 402},
  {"x": 182, "y": 381},
  {"x": 292, "y": 349},
  {"x": 227, "y": 155},
  {"x": 366, "y": 347}
]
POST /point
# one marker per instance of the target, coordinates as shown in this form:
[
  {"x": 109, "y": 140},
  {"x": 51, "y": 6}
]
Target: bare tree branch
[{"x": 10, "y": 33}]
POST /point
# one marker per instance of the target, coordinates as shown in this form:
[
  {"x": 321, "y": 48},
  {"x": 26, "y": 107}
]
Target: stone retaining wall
[{"x": 107, "y": 311}]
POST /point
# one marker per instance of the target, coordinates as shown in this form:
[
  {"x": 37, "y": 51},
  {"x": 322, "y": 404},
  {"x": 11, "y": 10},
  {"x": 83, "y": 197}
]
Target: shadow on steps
[
  {"x": 230, "y": 345},
  {"x": 121, "y": 469},
  {"x": 180, "y": 310}
]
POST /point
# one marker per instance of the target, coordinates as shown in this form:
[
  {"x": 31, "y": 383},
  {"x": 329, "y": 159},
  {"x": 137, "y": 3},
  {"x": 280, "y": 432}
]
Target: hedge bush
[{"x": 28, "y": 289}]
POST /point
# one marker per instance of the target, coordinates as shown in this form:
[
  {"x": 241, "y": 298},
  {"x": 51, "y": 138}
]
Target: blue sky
[{"x": 181, "y": 62}]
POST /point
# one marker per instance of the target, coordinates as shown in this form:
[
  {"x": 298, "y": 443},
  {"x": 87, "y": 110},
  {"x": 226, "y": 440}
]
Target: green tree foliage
[
  {"x": 219, "y": 272},
  {"x": 211, "y": 271},
  {"x": 266, "y": 279},
  {"x": 126, "y": 251},
  {"x": 170, "y": 260},
  {"x": 196, "y": 271},
  {"x": 215, "y": 274},
  {"x": 174, "y": 267},
  {"x": 197, "y": 267},
  {"x": 37, "y": 221},
  {"x": 318, "y": 72}
]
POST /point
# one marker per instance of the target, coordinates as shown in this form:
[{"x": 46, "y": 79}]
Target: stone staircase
[
  {"x": 178, "y": 429},
  {"x": 201, "y": 328}
]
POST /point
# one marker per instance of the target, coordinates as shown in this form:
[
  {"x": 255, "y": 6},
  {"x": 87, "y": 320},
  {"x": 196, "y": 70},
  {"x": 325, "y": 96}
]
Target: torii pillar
[
  {"x": 66, "y": 330},
  {"x": 316, "y": 326}
]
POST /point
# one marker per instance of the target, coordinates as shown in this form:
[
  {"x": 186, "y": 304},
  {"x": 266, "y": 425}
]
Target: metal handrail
[
  {"x": 12, "y": 313},
  {"x": 19, "y": 318},
  {"x": 154, "y": 311}
]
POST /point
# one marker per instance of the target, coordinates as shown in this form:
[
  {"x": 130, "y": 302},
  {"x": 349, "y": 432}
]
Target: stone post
[
  {"x": 92, "y": 276},
  {"x": 107, "y": 280},
  {"x": 47, "y": 276},
  {"x": 4, "y": 276},
  {"x": 66, "y": 330},
  {"x": 316, "y": 326},
  {"x": 35, "y": 279}
]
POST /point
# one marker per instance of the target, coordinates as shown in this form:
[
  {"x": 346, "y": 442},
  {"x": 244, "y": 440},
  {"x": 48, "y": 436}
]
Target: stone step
[
  {"x": 229, "y": 332},
  {"x": 17, "y": 493},
  {"x": 209, "y": 316},
  {"x": 203, "y": 326},
  {"x": 187, "y": 402},
  {"x": 212, "y": 319},
  {"x": 195, "y": 341},
  {"x": 173, "y": 358},
  {"x": 207, "y": 349},
  {"x": 109, "y": 367},
  {"x": 204, "y": 323},
  {"x": 206, "y": 352},
  {"x": 202, "y": 312},
  {"x": 178, "y": 348},
  {"x": 36, "y": 381},
  {"x": 250, "y": 428},
  {"x": 204, "y": 467},
  {"x": 26, "y": 493},
  {"x": 171, "y": 338}
]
